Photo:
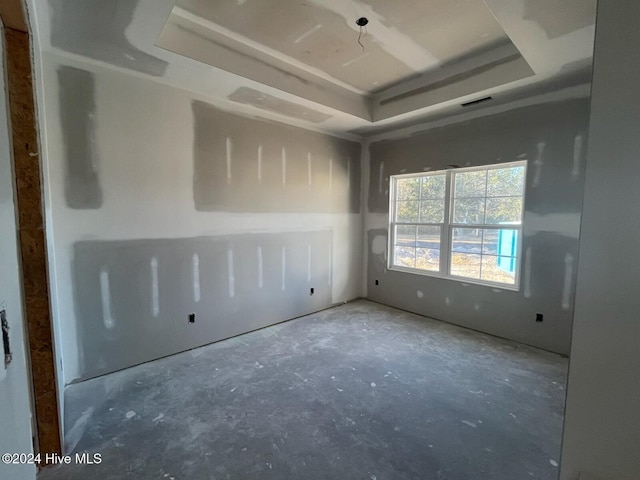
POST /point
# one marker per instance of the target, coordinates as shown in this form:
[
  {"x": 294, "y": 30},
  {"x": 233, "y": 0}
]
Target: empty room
[{"x": 319, "y": 240}]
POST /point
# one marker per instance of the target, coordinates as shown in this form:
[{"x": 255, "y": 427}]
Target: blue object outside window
[{"x": 507, "y": 244}]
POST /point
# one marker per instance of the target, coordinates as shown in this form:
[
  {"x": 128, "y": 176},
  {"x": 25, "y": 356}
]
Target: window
[{"x": 464, "y": 223}]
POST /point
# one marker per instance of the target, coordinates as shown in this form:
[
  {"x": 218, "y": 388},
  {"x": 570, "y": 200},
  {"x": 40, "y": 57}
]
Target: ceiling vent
[{"x": 476, "y": 102}]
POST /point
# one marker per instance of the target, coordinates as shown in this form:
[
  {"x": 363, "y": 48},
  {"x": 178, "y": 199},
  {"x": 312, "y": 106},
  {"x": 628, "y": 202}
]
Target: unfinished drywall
[
  {"x": 185, "y": 34},
  {"x": 160, "y": 191},
  {"x": 77, "y": 98},
  {"x": 571, "y": 16},
  {"x": 264, "y": 101},
  {"x": 128, "y": 292},
  {"x": 552, "y": 138},
  {"x": 15, "y": 404},
  {"x": 96, "y": 29},
  {"x": 245, "y": 165},
  {"x": 602, "y": 426},
  {"x": 401, "y": 39}
]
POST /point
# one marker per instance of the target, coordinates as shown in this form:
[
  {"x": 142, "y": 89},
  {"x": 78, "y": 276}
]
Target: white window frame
[{"x": 447, "y": 227}]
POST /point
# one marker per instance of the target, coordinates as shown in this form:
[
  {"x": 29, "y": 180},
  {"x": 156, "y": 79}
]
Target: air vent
[{"x": 475, "y": 102}]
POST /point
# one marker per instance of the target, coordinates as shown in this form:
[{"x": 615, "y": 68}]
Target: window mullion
[
  {"x": 445, "y": 234},
  {"x": 391, "y": 235},
  {"x": 484, "y": 217}
]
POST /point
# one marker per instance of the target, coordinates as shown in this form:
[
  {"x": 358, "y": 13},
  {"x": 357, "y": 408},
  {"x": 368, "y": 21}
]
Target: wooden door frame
[{"x": 27, "y": 169}]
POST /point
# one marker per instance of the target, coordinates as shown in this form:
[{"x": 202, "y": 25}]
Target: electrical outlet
[{"x": 192, "y": 318}]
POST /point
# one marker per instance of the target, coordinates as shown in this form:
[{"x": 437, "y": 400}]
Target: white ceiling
[{"x": 298, "y": 61}]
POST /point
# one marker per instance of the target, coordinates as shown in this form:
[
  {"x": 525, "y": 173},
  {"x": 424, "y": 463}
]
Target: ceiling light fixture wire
[{"x": 362, "y": 23}]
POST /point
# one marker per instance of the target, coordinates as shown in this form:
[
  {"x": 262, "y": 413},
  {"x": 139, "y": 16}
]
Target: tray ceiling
[
  {"x": 411, "y": 54},
  {"x": 299, "y": 61}
]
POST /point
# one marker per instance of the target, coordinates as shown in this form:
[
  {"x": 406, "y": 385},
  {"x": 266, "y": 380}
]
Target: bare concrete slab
[{"x": 360, "y": 391}]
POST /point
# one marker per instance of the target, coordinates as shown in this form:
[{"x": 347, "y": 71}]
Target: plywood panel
[
  {"x": 13, "y": 15},
  {"x": 32, "y": 238}
]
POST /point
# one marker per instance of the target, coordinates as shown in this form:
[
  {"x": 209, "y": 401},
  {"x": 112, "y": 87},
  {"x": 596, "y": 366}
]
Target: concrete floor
[{"x": 360, "y": 391}]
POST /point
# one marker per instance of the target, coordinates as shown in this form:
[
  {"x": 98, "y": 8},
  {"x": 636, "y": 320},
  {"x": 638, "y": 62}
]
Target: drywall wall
[
  {"x": 128, "y": 292},
  {"x": 552, "y": 137},
  {"x": 15, "y": 403},
  {"x": 602, "y": 423},
  {"x": 81, "y": 28},
  {"x": 77, "y": 100},
  {"x": 159, "y": 204},
  {"x": 254, "y": 166}
]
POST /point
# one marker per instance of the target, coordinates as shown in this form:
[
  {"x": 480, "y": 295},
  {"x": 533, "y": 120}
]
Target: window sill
[{"x": 463, "y": 280}]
